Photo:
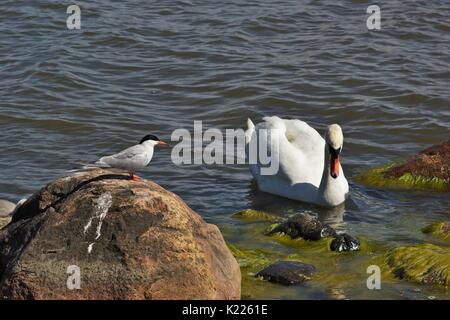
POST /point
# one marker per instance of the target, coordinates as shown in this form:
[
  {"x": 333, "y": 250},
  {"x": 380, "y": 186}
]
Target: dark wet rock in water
[
  {"x": 304, "y": 226},
  {"x": 287, "y": 272},
  {"x": 428, "y": 169},
  {"x": 344, "y": 242},
  {"x": 308, "y": 227},
  {"x": 130, "y": 240}
]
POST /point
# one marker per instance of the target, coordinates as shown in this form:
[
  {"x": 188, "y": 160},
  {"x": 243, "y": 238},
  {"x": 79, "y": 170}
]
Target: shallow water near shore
[{"x": 139, "y": 67}]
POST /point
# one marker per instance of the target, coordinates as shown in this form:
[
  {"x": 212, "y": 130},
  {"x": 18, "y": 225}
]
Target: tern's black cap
[{"x": 149, "y": 137}]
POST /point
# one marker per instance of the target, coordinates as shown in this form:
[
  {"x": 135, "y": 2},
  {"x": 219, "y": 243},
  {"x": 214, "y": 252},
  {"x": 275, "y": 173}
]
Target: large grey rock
[{"x": 130, "y": 240}]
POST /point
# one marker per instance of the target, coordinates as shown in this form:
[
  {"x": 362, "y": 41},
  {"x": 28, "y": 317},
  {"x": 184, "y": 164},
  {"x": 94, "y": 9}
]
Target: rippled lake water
[{"x": 139, "y": 67}]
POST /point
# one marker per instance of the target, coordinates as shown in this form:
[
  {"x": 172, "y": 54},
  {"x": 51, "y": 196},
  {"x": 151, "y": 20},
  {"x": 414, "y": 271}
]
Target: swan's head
[{"x": 335, "y": 142}]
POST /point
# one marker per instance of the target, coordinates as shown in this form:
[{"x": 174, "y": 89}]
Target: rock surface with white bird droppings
[
  {"x": 6, "y": 208},
  {"x": 130, "y": 240}
]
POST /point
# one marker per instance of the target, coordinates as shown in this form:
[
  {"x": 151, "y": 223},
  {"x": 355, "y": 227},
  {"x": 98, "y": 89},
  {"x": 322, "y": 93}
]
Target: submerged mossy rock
[
  {"x": 424, "y": 263},
  {"x": 439, "y": 229},
  {"x": 255, "y": 215},
  {"x": 303, "y": 226},
  {"x": 428, "y": 169},
  {"x": 332, "y": 269},
  {"x": 252, "y": 259},
  {"x": 308, "y": 227}
]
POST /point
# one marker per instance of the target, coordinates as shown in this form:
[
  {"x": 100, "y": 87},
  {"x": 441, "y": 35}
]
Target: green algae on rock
[
  {"x": 332, "y": 268},
  {"x": 424, "y": 263},
  {"x": 427, "y": 170},
  {"x": 319, "y": 246},
  {"x": 308, "y": 227},
  {"x": 255, "y": 215},
  {"x": 439, "y": 229},
  {"x": 304, "y": 226},
  {"x": 253, "y": 259},
  {"x": 376, "y": 177}
]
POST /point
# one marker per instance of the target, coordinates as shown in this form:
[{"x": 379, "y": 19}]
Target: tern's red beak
[
  {"x": 334, "y": 166},
  {"x": 162, "y": 143}
]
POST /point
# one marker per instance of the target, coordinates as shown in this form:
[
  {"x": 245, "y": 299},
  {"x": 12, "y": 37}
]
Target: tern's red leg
[{"x": 134, "y": 177}]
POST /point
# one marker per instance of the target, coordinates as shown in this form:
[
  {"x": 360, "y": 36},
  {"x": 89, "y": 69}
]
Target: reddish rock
[
  {"x": 429, "y": 163},
  {"x": 130, "y": 240}
]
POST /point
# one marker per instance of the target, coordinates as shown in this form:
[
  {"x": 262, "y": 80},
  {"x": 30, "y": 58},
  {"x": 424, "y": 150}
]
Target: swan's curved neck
[{"x": 330, "y": 189}]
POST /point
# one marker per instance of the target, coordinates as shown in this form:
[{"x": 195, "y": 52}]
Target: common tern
[{"x": 131, "y": 159}]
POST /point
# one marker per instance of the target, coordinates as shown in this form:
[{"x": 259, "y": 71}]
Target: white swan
[{"x": 309, "y": 168}]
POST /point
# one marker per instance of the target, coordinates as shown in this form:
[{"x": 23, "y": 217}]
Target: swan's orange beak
[{"x": 334, "y": 165}]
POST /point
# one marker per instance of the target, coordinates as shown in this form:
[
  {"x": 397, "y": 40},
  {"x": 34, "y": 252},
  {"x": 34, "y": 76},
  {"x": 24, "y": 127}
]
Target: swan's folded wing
[
  {"x": 303, "y": 137},
  {"x": 298, "y": 133}
]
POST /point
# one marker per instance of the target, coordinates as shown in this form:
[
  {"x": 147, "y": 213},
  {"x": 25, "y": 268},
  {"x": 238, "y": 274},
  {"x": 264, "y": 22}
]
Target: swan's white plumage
[{"x": 302, "y": 160}]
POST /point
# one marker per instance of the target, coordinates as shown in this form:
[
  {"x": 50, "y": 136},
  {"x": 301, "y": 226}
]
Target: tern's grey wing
[
  {"x": 130, "y": 153},
  {"x": 133, "y": 158}
]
